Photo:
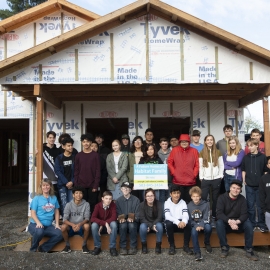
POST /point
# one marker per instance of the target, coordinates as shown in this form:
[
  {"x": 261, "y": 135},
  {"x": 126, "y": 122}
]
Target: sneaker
[
  {"x": 262, "y": 229},
  {"x": 188, "y": 250},
  {"x": 85, "y": 250},
  {"x": 254, "y": 228},
  {"x": 172, "y": 250},
  {"x": 66, "y": 250},
  {"x": 123, "y": 251},
  {"x": 113, "y": 252},
  {"x": 250, "y": 254},
  {"x": 96, "y": 251},
  {"x": 132, "y": 251},
  {"x": 208, "y": 248},
  {"x": 198, "y": 257},
  {"x": 213, "y": 223},
  {"x": 224, "y": 252}
]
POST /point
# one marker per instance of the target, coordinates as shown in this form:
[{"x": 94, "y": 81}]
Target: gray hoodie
[
  {"x": 199, "y": 214},
  {"x": 164, "y": 158},
  {"x": 77, "y": 213}
]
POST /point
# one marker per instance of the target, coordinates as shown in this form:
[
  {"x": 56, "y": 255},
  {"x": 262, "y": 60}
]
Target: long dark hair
[
  {"x": 132, "y": 148},
  {"x": 145, "y": 158},
  {"x": 155, "y": 206}
]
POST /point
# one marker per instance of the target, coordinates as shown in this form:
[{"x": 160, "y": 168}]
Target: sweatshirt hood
[
  {"x": 80, "y": 204},
  {"x": 200, "y": 203}
]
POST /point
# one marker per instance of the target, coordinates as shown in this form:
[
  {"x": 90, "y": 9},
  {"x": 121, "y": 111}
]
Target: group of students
[{"x": 94, "y": 168}]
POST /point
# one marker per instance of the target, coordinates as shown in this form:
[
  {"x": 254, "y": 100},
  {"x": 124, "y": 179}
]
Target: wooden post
[
  {"x": 39, "y": 140},
  {"x": 266, "y": 126}
]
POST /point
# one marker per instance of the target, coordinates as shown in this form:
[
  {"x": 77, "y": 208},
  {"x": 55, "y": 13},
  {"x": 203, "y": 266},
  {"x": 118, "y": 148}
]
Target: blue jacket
[{"x": 59, "y": 170}]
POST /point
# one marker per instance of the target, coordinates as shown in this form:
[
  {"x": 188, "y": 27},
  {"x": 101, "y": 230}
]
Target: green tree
[
  {"x": 16, "y": 6},
  {"x": 251, "y": 123}
]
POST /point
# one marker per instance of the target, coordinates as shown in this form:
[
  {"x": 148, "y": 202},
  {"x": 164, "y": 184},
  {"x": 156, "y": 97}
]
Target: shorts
[{"x": 72, "y": 233}]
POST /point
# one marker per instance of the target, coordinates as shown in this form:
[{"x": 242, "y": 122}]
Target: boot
[
  {"x": 158, "y": 248},
  {"x": 144, "y": 248}
]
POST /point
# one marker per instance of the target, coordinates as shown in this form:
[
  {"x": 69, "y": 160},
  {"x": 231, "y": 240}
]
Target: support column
[
  {"x": 266, "y": 125},
  {"x": 39, "y": 141}
]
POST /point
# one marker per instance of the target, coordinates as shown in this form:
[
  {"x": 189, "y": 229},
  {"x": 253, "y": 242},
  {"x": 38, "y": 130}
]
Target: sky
[{"x": 248, "y": 19}]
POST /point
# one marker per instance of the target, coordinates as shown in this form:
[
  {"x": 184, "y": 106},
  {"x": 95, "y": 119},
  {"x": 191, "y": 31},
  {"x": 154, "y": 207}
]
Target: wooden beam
[
  {"x": 39, "y": 140},
  {"x": 266, "y": 126},
  {"x": 46, "y": 96},
  {"x": 255, "y": 96}
]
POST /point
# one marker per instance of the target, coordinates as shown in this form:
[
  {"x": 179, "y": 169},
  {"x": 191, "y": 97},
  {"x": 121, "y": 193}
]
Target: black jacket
[
  {"x": 126, "y": 206},
  {"x": 264, "y": 193},
  {"x": 254, "y": 166},
  {"x": 231, "y": 209}
]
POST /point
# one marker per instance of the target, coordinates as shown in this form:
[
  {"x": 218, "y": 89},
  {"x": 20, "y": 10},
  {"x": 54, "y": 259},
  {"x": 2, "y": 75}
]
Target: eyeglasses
[
  {"x": 184, "y": 142},
  {"x": 149, "y": 196},
  {"x": 138, "y": 141}
]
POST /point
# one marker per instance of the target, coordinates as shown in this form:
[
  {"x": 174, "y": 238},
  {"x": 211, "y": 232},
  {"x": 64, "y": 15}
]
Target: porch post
[{"x": 266, "y": 125}]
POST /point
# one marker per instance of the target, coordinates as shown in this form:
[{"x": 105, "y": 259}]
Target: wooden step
[{"x": 234, "y": 240}]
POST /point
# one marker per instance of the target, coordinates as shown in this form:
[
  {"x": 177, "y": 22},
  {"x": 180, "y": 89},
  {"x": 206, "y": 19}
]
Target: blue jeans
[
  {"x": 65, "y": 197},
  {"x": 194, "y": 236},
  {"x": 96, "y": 237},
  {"x": 227, "y": 181},
  {"x": 124, "y": 228},
  {"x": 252, "y": 196},
  {"x": 143, "y": 232},
  {"x": 223, "y": 228},
  {"x": 38, "y": 233}
]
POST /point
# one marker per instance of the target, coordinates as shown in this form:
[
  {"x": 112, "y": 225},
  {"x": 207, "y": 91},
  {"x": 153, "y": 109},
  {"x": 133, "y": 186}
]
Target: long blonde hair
[
  {"x": 214, "y": 150},
  {"x": 47, "y": 181},
  {"x": 237, "y": 148}
]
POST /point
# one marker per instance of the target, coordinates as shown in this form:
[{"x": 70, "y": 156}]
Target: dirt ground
[{"x": 13, "y": 218}]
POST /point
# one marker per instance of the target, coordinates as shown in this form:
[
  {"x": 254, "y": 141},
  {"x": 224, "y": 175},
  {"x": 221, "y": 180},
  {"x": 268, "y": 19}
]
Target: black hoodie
[
  {"x": 264, "y": 193},
  {"x": 254, "y": 166}
]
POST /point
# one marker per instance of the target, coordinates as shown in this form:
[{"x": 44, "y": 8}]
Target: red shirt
[{"x": 184, "y": 165}]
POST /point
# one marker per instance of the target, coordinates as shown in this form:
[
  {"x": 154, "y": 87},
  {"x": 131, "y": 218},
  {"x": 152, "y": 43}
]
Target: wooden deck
[{"x": 234, "y": 240}]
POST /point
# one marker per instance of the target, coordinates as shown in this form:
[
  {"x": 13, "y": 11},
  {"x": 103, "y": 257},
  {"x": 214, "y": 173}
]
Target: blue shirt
[
  {"x": 44, "y": 208},
  {"x": 198, "y": 147}
]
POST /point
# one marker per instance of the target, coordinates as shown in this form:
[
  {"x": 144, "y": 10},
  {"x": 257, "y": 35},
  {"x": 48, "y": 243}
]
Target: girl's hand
[
  {"x": 115, "y": 180},
  {"x": 57, "y": 227},
  {"x": 39, "y": 225}
]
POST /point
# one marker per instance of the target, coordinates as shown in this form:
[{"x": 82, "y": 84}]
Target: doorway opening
[
  {"x": 111, "y": 128},
  {"x": 14, "y": 154},
  {"x": 165, "y": 127}
]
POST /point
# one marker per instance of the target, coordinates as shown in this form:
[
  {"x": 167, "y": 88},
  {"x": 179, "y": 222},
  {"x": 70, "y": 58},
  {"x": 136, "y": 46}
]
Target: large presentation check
[{"x": 150, "y": 176}]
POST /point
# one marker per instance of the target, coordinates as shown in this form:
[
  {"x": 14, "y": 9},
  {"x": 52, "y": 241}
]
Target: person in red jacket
[
  {"x": 104, "y": 221},
  {"x": 183, "y": 164}
]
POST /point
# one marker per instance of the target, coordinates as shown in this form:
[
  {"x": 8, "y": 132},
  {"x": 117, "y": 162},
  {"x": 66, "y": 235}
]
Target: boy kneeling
[
  {"x": 76, "y": 219},
  {"x": 199, "y": 217},
  {"x": 104, "y": 221},
  {"x": 176, "y": 219},
  {"x": 127, "y": 207}
]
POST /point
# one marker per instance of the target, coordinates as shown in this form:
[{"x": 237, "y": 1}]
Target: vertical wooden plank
[
  {"x": 225, "y": 113},
  {"x": 265, "y": 102},
  {"x": 62, "y": 23},
  {"x": 136, "y": 119},
  {"x": 82, "y": 121},
  {"x": 148, "y": 115},
  {"x": 76, "y": 65},
  {"x": 44, "y": 122},
  {"x": 40, "y": 72},
  {"x": 5, "y": 103},
  {"x": 216, "y": 63},
  {"x": 191, "y": 117},
  {"x": 39, "y": 141},
  {"x": 5, "y": 48},
  {"x": 35, "y": 34},
  {"x": 33, "y": 131},
  {"x": 182, "y": 55},
  {"x": 208, "y": 117},
  {"x": 10, "y": 159},
  {"x": 236, "y": 122},
  {"x": 21, "y": 146},
  {"x": 147, "y": 46},
  {"x": 251, "y": 70},
  {"x": 112, "y": 56},
  {"x": 64, "y": 118}
]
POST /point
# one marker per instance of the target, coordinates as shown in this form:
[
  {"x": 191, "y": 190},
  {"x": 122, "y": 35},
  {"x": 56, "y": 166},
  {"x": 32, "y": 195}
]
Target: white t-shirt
[
  {"x": 116, "y": 160},
  {"x": 231, "y": 158}
]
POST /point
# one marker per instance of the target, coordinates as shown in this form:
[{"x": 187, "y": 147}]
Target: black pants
[
  {"x": 171, "y": 228},
  {"x": 185, "y": 193},
  {"x": 215, "y": 185},
  {"x": 91, "y": 197}
]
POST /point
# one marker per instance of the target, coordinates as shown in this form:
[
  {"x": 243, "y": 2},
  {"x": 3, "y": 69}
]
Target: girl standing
[
  {"x": 151, "y": 212},
  {"x": 232, "y": 162},
  {"x": 210, "y": 172},
  {"x": 116, "y": 163},
  {"x": 43, "y": 208}
]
